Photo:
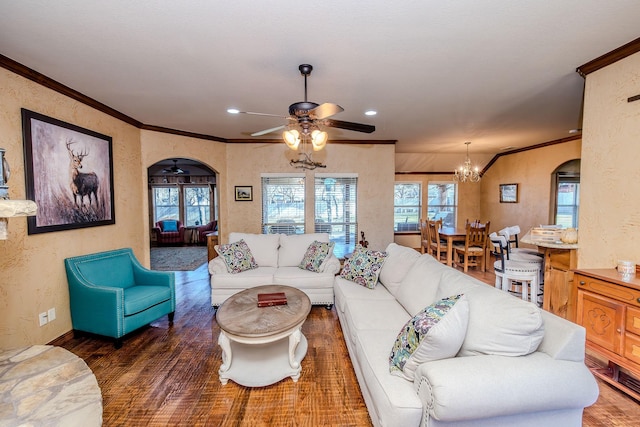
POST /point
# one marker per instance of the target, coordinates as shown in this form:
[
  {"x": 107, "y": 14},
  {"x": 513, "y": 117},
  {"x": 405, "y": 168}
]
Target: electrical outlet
[
  {"x": 51, "y": 314},
  {"x": 42, "y": 318}
]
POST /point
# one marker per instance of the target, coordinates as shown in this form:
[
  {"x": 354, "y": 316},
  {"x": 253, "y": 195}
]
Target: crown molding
[{"x": 609, "y": 58}]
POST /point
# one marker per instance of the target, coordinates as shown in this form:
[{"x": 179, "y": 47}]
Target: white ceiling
[{"x": 499, "y": 73}]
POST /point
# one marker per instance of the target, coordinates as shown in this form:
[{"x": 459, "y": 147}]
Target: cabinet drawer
[
  {"x": 608, "y": 289},
  {"x": 632, "y": 348},
  {"x": 633, "y": 320}
]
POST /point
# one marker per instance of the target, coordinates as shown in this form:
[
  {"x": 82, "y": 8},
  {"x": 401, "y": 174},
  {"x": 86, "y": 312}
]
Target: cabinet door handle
[
  {"x": 619, "y": 330},
  {"x": 582, "y": 283},
  {"x": 638, "y": 300}
]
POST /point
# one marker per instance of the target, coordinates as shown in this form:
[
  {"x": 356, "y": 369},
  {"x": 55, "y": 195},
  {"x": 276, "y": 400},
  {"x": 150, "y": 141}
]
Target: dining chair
[
  {"x": 424, "y": 237},
  {"x": 437, "y": 246},
  {"x": 472, "y": 253}
]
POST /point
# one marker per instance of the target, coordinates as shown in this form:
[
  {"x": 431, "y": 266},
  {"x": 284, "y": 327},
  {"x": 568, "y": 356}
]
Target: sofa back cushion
[
  {"x": 111, "y": 270},
  {"x": 395, "y": 268},
  {"x": 264, "y": 247},
  {"x": 419, "y": 287},
  {"x": 294, "y": 246},
  {"x": 499, "y": 324}
]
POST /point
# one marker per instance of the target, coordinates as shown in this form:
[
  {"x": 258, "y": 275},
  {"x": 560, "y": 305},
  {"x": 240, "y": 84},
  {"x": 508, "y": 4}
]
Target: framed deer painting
[{"x": 69, "y": 174}]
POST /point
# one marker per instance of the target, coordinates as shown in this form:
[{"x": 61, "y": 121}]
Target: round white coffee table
[{"x": 262, "y": 345}]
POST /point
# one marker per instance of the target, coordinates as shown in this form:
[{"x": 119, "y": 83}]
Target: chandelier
[
  {"x": 295, "y": 139},
  {"x": 466, "y": 172}
]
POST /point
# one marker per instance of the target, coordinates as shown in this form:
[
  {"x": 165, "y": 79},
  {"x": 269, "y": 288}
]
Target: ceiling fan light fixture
[
  {"x": 319, "y": 139},
  {"x": 291, "y": 138}
]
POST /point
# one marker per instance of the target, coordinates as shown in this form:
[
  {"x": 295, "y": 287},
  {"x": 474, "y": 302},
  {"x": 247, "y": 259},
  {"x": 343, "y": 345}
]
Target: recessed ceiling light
[
  {"x": 370, "y": 113},
  {"x": 233, "y": 111},
  {"x": 575, "y": 130},
  {"x": 510, "y": 147}
]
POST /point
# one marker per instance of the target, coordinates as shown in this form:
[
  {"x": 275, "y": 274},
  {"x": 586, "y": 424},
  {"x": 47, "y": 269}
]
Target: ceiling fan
[
  {"x": 175, "y": 169},
  {"x": 310, "y": 115}
]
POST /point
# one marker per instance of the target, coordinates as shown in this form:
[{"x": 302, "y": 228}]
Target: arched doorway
[{"x": 183, "y": 208}]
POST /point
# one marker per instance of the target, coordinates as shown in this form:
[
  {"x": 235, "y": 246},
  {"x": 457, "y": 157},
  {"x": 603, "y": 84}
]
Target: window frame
[
  {"x": 418, "y": 208},
  {"x": 343, "y": 233},
  {"x": 447, "y": 221},
  {"x": 298, "y": 197}
]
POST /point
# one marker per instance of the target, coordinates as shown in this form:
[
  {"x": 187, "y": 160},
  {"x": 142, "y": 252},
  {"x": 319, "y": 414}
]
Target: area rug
[{"x": 184, "y": 258}]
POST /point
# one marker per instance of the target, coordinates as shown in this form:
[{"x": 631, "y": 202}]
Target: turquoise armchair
[{"x": 112, "y": 294}]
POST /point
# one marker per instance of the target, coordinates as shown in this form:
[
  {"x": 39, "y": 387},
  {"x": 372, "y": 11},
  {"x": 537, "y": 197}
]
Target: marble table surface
[{"x": 44, "y": 385}]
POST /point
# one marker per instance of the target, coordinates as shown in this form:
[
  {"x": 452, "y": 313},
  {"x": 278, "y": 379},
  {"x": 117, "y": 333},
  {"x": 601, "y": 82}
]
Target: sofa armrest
[
  {"x": 473, "y": 387},
  {"x": 217, "y": 266},
  {"x": 562, "y": 339},
  {"x": 331, "y": 266}
]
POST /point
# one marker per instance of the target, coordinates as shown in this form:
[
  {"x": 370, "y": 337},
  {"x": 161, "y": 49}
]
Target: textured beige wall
[
  {"x": 33, "y": 276},
  {"x": 610, "y": 206},
  {"x": 374, "y": 165},
  {"x": 532, "y": 171}
]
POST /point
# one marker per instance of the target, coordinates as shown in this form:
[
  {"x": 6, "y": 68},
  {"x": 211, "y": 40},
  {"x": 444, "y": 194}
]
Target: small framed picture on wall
[
  {"x": 244, "y": 193},
  {"x": 508, "y": 193}
]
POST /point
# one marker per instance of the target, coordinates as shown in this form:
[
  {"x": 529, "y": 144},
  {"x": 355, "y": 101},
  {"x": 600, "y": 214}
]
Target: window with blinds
[
  {"x": 336, "y": 210},
  {"x": 283, "y": 204}
]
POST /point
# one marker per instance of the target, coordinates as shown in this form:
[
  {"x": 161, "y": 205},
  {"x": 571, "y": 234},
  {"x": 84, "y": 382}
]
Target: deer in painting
[{"x": 82, "y": 184}]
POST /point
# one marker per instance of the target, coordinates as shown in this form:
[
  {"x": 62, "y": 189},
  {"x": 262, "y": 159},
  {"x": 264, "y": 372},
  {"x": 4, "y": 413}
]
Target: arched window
[{"x": 566, "y": 194}]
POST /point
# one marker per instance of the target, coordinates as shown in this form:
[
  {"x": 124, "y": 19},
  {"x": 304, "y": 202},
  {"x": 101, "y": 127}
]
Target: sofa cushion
[
  {"x": 396, "y": 402},
  {"x": 316, "y": 255},
  {"x": 499, "y": 323},
  {"x": 364, "y": 267},
  {"x": 140, "y": 298},
  {"x": 294, "y": 246},
  {"x": 346, "y": 290},
  {"x": 237, "y": 256},
  {"x": 248, "y": 279},
  {"x": 264, "y": 247},
  {"x": 396, "y": 266},
  {"x": 419, "y": 287},
  {"x": 434, "y": 333},
  {"x": 302, "y": 279},
  {"x": 169, "y": 225}
]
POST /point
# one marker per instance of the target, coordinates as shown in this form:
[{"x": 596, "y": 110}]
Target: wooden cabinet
[{"x": 609, "y": 309}]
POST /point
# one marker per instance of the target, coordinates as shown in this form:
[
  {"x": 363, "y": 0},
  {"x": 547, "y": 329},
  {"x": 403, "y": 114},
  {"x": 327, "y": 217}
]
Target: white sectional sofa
[
  {"x": 517, "y": 366},
  {"x": 278, "y": 257}
]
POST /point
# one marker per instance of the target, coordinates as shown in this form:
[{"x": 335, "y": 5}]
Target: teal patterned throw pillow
[
  {"x": 237, "y": 256},
  {"x": 437, "y": 332},
  {"x": 364, "y": 267},
  {"x": 316, "y": 254}
]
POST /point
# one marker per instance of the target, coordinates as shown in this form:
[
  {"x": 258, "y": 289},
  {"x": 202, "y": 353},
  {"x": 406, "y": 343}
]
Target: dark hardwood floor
[{"x": 167, "y": 375}]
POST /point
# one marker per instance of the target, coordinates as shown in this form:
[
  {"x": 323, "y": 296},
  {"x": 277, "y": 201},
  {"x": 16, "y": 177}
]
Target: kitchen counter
[{"x": 560, "y": 260}]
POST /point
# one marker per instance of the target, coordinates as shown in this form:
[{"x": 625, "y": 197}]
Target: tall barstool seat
[{"x": 510, "y": 272}]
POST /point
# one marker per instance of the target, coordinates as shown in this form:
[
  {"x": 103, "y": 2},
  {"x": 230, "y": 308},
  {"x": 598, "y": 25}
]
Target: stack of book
[{"x": 271, "y": 299}]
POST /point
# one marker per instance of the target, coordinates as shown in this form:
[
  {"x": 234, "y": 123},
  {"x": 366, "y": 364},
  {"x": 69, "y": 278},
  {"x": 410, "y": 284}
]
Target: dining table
[{"x": 452, "y": 234}]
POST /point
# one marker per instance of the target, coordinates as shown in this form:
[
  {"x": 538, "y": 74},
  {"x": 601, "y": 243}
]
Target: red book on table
[{"x": 275, "y": 298}]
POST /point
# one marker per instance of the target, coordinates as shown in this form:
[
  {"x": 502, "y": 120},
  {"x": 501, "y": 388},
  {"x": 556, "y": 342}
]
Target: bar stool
[
  {"x": 511, "y": 233},
  {"x": 511, "y": 273}
]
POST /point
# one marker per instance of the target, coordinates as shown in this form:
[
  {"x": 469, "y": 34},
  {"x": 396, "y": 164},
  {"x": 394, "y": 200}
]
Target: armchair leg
[
  {"x": 117, "y": 343},
  {"x": 171, "y": 316}
]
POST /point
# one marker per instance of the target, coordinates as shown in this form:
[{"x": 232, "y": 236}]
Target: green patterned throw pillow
[
  {"x": 364, "y": 267},
  {"x": 316, "y": 255},
  {"x": 237, "y": 256},
  {"x": 437, "y": 332}
]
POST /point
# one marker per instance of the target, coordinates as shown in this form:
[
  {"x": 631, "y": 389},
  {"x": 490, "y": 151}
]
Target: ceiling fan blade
[
  {"x": 262, "y": 114},
  {"x": 325, "y": 110},
  {"x": 358, "y": 127},
  {"x": 266, "y": 131}
]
